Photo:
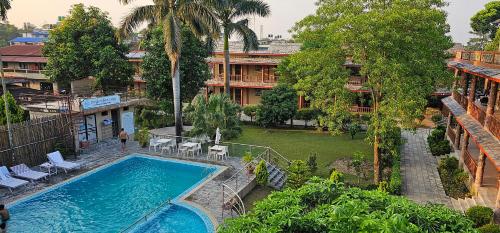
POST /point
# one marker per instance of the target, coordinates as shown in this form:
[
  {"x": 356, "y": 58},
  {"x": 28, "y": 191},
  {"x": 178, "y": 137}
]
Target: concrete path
[{"x": 421, "y": 181}]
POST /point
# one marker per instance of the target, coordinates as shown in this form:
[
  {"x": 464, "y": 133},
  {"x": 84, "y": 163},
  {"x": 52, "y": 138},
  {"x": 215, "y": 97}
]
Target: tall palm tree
[
  {"x": 171, "y": 15},
  {"x": 4, "y": 6},
  {"x": 227, "y": 12}
]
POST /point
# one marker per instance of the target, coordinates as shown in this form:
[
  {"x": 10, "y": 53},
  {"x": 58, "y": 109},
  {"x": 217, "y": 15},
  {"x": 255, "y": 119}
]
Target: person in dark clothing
[{"x": 4, "y": 213}]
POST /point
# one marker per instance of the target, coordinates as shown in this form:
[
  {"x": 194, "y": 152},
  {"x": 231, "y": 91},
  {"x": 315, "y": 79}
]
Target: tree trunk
[
  {"x": 227, "y": 65},
  {"x": 176, "y": 89},
  {"x": 376, "y": 162}
]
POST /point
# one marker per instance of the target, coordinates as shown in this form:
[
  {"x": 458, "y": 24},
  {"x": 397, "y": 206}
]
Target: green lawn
[{"x": 299, "y": 144}]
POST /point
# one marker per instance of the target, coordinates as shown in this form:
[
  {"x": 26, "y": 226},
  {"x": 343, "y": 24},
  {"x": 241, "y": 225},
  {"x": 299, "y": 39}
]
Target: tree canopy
[
  {"x": 83, "y": 45},
  {"x": 400, "y": 46},
  {"x": 7, "y": 32},
  {"x": 156, "y": 67},
  {"x": 277, "y": 105},
  {"x": 16, "y": 113},
  {"x": 483, "y": 22}
]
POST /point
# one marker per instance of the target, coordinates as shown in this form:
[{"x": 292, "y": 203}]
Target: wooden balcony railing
[
  {"x": 356, "y": 81},
  {"x": 451, "y": 134},
  {"x": 248, "y": 78},
  {"x": 490, "y": 57},
  {"x": 494, "y": 126},
  {"x": 470, "y": 163},
  {"x": 357, "y": 109},
  {"x": 25, "y": 71},
  {"x": 478, "y": 113}
]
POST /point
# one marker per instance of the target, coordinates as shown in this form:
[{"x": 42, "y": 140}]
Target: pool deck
[{"x": 207, "y": 196}]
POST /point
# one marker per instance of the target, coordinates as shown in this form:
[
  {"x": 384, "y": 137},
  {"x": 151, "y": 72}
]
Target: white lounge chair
[
  {"x": 56, "y": 159},
  {"x": 6, "y": 180},
  {"x": 23, "y": 171}
]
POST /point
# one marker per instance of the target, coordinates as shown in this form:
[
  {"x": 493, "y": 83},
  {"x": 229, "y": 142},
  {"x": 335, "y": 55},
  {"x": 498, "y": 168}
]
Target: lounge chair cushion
[
  {"x": 5, "y": 172},
  {"x": 12, "y": 182},
  {"x": 24, "y": 171},
  {"x": 55, "y": 157}
]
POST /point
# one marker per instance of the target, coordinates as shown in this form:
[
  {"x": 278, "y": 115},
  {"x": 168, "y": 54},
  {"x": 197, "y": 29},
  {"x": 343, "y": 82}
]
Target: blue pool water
[{"x": 113, "y": 198}]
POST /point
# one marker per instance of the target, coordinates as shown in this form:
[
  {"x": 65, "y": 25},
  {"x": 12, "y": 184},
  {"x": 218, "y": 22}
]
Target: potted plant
[{"x": 247, "y": 160}]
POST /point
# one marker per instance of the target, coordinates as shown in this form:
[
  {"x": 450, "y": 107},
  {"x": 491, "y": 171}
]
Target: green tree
[
  {"x": 307, "y": 114},
  {"x": 483, "y": 22},
  {"x": 400, "y": 46},
  {"x": 227, "y": 12},
  {"x": 16, "y": 113},
  {"x": 7, "y": 32},
  {"x": 4, "y": 7},
  {"x": 172, "y": 15},
  {"x": 83, "y": 45},
  {"x": 218, "y": 112},
  {"x": 277, "y": 106},
  {"x": 251, "y": 111},
  {"x": 298, "y": 174},
  {"x": 261, "y": 173},
  {"x": 156, "y": 67}
]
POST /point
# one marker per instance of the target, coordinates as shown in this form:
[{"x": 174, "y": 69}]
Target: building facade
[{"x": 474, "y": 120}]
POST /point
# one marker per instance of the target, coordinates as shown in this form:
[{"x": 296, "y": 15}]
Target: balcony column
[
  {"x": 472, "y": 95},
  {"x": 456, "y": 143},
  {"x": 479, "y": 172},
  {"x": 497, "y": 205},
  {"x": 448, "y": 123},
  {"x": 490, "y": 109},
  {"x": 463, "y": 148},
  {"x": 455, "y": 85}
]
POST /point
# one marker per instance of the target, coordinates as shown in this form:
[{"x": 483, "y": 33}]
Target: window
[
  {"x": 104, "y": 113},
  {"x": 23, "y": 66},
  {"x": 125, "y": 108},
  {"x": 221, "y": 69},
  {"x": 258, "y": 68},
  {"x": 5, "y": 65}
]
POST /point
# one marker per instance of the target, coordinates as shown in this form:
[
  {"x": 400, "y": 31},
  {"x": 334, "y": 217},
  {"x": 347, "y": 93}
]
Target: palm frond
[
  {"x": 250, "y": 40},
  {"x": 172, "y": 36},
  {"x": 251, "y": 7},
  {"x": 199, "y": 17},
  {"x": 4, "y": 6},
  {"x": 136, "y": 17}
]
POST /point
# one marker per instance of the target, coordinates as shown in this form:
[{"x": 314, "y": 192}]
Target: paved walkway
[{"x": 421, "y": 181}]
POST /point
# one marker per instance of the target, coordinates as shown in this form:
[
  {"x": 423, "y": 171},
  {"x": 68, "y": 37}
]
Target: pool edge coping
[{"x": 180, "y": 199}]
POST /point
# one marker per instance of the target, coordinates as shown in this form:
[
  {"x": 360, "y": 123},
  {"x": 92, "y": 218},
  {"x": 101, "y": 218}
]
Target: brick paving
[{"x": 421, "y": 181}]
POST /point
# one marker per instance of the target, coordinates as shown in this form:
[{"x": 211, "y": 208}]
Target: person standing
[
  {"x": 123, "y": 138},
  {"x": 4, "y": 213}
]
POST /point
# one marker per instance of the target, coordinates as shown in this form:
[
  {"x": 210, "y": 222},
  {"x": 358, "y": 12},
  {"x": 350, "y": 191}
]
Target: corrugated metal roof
[
  {"x": 255, "y": 61},
  {"x": 24, "y": 59},
  {"x": 273, "y": 47},
  {"x": 28, "y": 40},
  {"x": 22, "y": 50},
  {"x": 486, "y": 71},
  {"x": 136, "y": 54}
]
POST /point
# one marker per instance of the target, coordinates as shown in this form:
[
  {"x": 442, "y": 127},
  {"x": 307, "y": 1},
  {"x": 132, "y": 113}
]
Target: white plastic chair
[
  {"x": 195, "y": 149},
  {"x": 223, "y": 154},
  {"x": 181, "y": 150},
  {"x": 153, "y": 143},
  {"x": 170, "y": 147}
]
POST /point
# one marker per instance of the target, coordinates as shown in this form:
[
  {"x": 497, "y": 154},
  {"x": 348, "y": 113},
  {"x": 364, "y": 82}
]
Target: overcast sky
[{"x": 284, "y": 13}]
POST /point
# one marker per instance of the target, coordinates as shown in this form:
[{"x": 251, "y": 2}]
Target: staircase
[
  {"x": 277, "y": 177},
  {"x": 486, "y": 198}
]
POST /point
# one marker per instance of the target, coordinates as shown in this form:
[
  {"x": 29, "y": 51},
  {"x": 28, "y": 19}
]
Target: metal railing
[{"x": 147, "y": 216}]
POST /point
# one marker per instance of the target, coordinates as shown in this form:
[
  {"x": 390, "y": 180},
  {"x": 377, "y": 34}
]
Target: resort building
[
  {"x": 474, "y": 120},
  {"x": 251, "y": 72}
]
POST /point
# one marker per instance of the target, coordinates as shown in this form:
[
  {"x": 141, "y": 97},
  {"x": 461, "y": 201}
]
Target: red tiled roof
[
  {"x": 22, "y": 50},
  {"x": 24, "y": 59}
]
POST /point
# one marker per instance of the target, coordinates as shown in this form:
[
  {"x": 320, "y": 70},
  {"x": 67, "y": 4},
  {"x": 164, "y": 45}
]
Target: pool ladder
[{"x": 147, "y": 216}]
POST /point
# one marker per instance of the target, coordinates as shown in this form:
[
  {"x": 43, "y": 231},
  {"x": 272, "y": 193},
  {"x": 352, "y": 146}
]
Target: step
[
  {"x": 479, "y": 200},
  {"x": 456, "y": 205},
  {"x": 464, "y": 204},
  {"x": 471, "y": 202}
]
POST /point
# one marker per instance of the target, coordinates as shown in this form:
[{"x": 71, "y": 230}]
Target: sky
[{"x": 284, "y": 13}]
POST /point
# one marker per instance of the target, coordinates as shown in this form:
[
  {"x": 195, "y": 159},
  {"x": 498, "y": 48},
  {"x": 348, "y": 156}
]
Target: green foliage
[
  {"x": 298, "y": 174},
  {"x": 8, "y": 32},
  {"x": 437, "y": 118},
  {"x": 83, "y": 45},
  {"x": 336, "y": 176},
  {"x": 395, "y": 182},
  {"x": 483, "y": 22},
  {"x": 489, "y": 228},
  {"x": 358, "y": 162},
  {"x": 480, "y": 215},
  {"x": 156, "y": 67},
  {"x": 219, "y": 112},
  {"x": 61, "y": 147},
  {"x": 453, "y": 178},
  {"x": 247, "y": 157},
  {"x": 277, "y": 106},
  {"x": 143, "y": 137},
  {"x": 16, "y": 113},
  {"x": 493, "y": 45},
  {"x": 251, "y": 111},
  {"x": 152, "y": 118},
  {"x": 261, "y": 173},
  {"x": 311, "y": 162},
  {"x": 437, "y": 142},
  {"x": 383, "y": 186},
  {"x": 354, "y": 128},
  {"x": 325, "y": 206},
  {"x": 307, "y": 114},
  {"x": 436, "y": 135}
]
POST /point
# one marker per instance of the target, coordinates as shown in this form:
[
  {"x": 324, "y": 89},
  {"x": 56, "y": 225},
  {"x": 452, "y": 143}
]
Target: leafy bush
[
  {"x": 437, "y": 118},
  {"x": 251, "y": 111},
  {"x": 143, "y": 137},
  {"x": 354, "y": 128},
  {"x": 489, "y": 228},
  {"x": 247, "y": 157},
  {"x": 325, "y": 206},
  {"x": 395, "y": 182},
  {"x": 261, "y": 173},
  {"x": 336, "y": 176},
  {"x": 311, "y": 162},
  {"x": 277, "y": 106},
  {"x": 453, "y": 178},
  {"x": 298, "y": 174},
  {"x": 437, "y": 135},
  {"x": 152, "y": 118},
  {"x": 480, "y": 215},
  {"x": 307, "y": 114},
  {"x": 383, "y": 186},
  {"x": 218, "y": 112},
  {"x": 440, "y": 148}
]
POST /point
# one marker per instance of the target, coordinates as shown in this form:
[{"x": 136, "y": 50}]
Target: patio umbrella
[{"x": 217, "y": 136}]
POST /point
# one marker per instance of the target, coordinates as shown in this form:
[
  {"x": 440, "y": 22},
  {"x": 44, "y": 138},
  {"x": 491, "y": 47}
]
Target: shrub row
[
  {"x": 395, "y": 182},
  {"x": 453, "y": 178},
  {"x": 437, "y": 142}
]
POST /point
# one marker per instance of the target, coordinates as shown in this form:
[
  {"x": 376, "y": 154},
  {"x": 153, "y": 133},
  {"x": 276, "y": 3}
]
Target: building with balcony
[
  {"x": 251, "y": 72},
  {"x": 26, "y": 63},
  {"x": 474, "y": 120}
]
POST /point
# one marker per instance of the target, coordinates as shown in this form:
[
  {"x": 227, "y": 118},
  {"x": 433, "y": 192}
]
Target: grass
[
  {"x": 257, "y": 194},
  {"x": 299, "y": 144}
]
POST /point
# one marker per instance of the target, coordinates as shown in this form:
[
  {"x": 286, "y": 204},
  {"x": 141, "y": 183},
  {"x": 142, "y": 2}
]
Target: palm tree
[
  {"x": 4, "y": 6},
  {"x": 227, "y": 11},
  {"x": 172, "y": 15}
]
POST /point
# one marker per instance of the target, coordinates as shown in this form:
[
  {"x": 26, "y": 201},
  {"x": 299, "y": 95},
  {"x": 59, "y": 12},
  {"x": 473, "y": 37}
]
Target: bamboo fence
[{"x": 33, "y": 139}]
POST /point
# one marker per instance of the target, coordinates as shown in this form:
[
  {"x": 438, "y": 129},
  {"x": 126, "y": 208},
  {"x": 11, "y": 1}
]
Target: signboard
[{"x": 100, "y": 102}]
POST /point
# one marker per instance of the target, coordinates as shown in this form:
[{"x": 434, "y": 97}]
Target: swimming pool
[{"x": 114, "y": 197}]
